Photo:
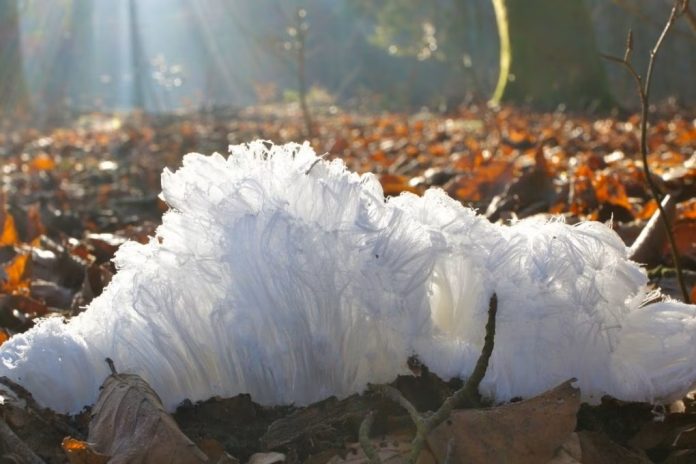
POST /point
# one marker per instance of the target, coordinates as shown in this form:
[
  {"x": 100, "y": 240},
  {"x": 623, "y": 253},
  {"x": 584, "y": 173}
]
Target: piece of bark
[
  {"x": 528, "y": 432},
  {"x": 648, "y": 246}
]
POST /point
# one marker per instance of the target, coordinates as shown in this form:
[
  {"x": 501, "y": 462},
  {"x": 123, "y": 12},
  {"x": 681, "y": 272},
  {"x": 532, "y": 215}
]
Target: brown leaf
[
  {"x": 685, "y": 238},
  {"x": 518, "y": 433},
  {"x": 599, "y": 449},
  {"x": 570, "y": 452},
  {"x": 130, "y": 425},
  {"x": 394, "y": 184}
]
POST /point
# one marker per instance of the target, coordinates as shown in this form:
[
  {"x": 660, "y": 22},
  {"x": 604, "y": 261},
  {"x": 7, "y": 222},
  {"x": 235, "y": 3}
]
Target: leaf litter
[{"x": 72, "y": 195}]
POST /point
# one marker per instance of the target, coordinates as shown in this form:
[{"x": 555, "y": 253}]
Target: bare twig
[
  {"x": 364, "y": 437},
  {"x": 633, "y": 9},
  {"x": 425, "y": 423},
  {"x": 112, "y": 367},
  {"x": 643, "y": 86}
]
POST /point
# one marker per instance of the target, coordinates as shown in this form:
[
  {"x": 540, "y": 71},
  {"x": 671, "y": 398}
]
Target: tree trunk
[
  {"x": 137, "y": 58},
  {"x": 548, "y": 55},
  {"x": 13, "y": 92}
]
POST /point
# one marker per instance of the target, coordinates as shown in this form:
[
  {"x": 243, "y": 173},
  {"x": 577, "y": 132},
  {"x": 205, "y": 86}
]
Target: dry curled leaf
[
  {"x": 130, "y": 425},
  {"x": 528, "y": 432},
  {"x": 8, "y": 234}
]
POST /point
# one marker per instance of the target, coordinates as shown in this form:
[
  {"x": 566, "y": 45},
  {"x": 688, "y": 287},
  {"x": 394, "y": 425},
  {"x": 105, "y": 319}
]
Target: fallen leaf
[
  {"x": 9, "y": 235},
  {"x": 686, "y": 210},
  {"x": 517, "y": 433},
  {"x": 685, "y": 238},
  {"x": 14, "y": 274},
  {"x": 599, "y": 449},
  {"x": 394, "y": 184},
  {"x": 570, "y": 452},
  {"x": 80, "y": 452},
  {"x": 43, "y": 162},
  {"x": 130, "y": 425}
]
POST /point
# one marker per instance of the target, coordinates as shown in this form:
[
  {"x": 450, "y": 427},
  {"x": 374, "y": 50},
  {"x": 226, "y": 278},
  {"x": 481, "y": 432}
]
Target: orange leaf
[
  {"x": 609, "y": 189},
  {"x": 43, "y": 162},
  {"x": 394, "y": 185},
  {"x": 412, "y": 151},
  {"x": 14, "y": 274},
  {"x": 648, "y": 210},
  {"x": 80, "y": 452},
  {"x": 437, "y": 150},
  {"x": 687, "y": 210},
  {"x": 9, "y": 234},
  {"x": 73, "y": 444},
  {"x": 4, "y": 336}
]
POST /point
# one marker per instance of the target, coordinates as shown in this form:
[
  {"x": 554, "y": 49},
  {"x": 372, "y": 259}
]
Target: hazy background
[{"x": 166, "y": 55}]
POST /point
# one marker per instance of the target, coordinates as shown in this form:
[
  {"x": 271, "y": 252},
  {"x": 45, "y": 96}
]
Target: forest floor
[{"x": 70, "y": 196}]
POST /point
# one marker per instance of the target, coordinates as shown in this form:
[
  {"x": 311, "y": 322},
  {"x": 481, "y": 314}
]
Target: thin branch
[
  {"x": 425, "y": 423},
  {"x": 364, "y": 438},
  {"x": 112, "y": 367},
  {"x": 396, "y": 396},
  {"x": 643, "y": 86},
  {"x": 644, "y": 17}
]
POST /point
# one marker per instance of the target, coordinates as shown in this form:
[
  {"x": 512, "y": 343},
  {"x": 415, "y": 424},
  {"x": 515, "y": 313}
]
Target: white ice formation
[{"x": 290, "y": 278}]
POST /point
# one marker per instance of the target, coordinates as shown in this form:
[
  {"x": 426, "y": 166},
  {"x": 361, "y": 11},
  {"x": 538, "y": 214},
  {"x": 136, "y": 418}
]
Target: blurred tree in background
[
  {"x": 547, "y": 48},
  {"x": 75, "y": 56},
  {"x": 548, "y": 55}
]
